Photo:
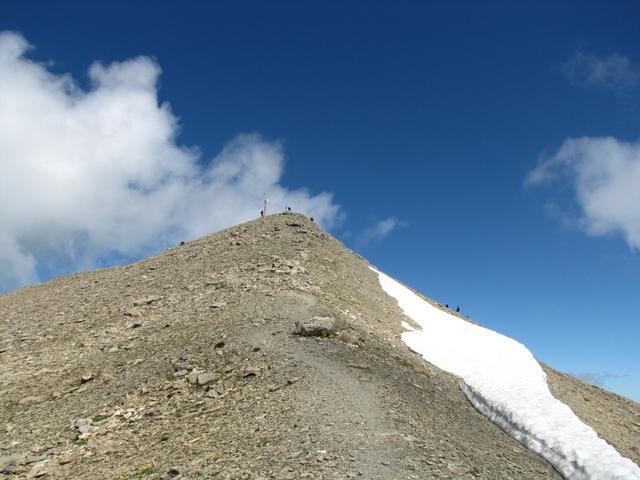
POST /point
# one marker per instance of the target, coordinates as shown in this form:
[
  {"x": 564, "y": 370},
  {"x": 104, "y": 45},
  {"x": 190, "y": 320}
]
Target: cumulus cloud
[
  {"x": 614, "y": 71},
  {"x": 380, "y": 229},
  {"x": 603, "y": 176},
  {"x": 88, "y": 175}
]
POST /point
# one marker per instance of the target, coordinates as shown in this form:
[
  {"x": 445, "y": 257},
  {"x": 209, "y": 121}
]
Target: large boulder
[{"x": 316, "y": 327}]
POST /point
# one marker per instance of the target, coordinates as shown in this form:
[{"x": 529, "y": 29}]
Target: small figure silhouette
[
  {"x": 262, "y": 213},
  {"x": 457, "y": 309}
]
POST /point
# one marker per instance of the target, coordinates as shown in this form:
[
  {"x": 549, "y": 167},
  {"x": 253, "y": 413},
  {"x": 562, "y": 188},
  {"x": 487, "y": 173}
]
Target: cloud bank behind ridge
[{"x": 91, "y": 175}]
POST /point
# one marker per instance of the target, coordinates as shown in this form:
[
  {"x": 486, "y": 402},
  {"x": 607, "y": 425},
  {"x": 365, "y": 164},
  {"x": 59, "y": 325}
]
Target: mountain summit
[{"x": 265, "y": 351}]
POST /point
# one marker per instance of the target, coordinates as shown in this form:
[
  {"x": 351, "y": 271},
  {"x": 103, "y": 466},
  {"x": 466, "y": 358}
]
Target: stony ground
[{"x": 186, "y": 366}]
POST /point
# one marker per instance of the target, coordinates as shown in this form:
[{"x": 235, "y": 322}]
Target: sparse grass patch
[
  {"x": 475, "y": 471},
  {"x": 145, "y": 469},
  {"x": 99, "y": 418}
]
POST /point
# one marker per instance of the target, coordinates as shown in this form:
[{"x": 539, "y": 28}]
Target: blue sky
[{"x": 424, "y": 122}]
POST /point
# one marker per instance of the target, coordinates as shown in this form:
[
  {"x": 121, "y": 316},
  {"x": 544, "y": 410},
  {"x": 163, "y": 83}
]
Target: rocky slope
[{"x": 186, "y": 365}]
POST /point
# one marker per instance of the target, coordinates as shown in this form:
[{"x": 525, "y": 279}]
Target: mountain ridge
[{"x": 185, "y": 365}]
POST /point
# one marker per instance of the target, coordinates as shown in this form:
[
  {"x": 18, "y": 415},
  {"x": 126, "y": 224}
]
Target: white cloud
[
  {"x": 380, "y": 229},
  {"x": 87, "y": 175},
  {"x": 614, "y": 71},
  {"x": 603, "y": 175}
]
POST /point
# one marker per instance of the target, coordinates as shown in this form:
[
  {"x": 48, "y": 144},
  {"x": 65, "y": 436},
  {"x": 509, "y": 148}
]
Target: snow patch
[{"x": 503, "y": 380}]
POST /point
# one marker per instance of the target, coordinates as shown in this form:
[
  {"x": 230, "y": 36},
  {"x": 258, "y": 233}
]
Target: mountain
[{"x": 191, "y": 364}]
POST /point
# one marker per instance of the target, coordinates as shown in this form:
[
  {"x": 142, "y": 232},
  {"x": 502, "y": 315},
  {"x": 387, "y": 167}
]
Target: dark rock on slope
[{"x": 186, "y": 365}]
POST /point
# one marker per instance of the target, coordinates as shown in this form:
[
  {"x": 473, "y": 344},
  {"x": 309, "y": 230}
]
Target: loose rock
[
  {"x": 69, "y": 457},
  {"x": 350, "y": 337},
  {"x": 147, "y": 300},
  {"x": 316, "y": 327},
  {"x": 134, "y": 312},
  {"x": 38, "y": 470},
  {"x": 83, "y": 425},
  {"x": 250, "y": 372},
  {"x": 204, "y": 378}
]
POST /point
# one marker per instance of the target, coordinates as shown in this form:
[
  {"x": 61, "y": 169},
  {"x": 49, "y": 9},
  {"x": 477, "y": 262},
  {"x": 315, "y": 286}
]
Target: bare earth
[{"x": 185, "y": 365}]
